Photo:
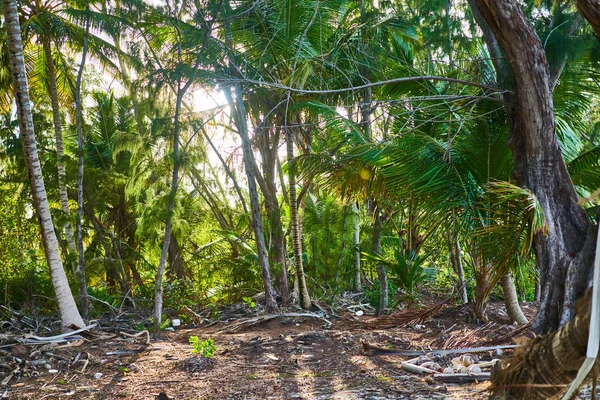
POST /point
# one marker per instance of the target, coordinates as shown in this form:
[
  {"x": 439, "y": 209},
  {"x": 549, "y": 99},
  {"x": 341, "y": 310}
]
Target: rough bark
[
  {"x": 239, "y": 116},
  {"x": 66, "y": 303},
  {"x": 303, "y": 294},
  {"x": 60, "y": 153},
  {"x": 511, "y": 301},
  {"x": 590, "y": 9},
  {"x": 563, "y": 255},
  {"x": 83, "y": 299},
  {"x": 356, "y": 244}
]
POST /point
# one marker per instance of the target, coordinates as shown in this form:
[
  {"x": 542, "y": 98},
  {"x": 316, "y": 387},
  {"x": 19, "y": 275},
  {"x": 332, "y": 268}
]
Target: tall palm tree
[{"x": 66, "y": 303}]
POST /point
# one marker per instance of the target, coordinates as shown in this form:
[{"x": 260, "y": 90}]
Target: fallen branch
[
  {"x": 462, "y": 378},
  {"x": 264, "y": 318},
  {"x": 376, "y": 350},
  {"x": 417, "y": 368}
]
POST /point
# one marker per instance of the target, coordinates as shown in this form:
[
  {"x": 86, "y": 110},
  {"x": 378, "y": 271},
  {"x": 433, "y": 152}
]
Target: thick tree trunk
[
  {"x": 60, "y": 153},
  {"x": 590, "y": 9},
  {"x": 381, "y": 272},
  {"x": 356, "y": 244},
  {"x": 564, "y": 255},
  {"x": 83, "y": 298},
  {"x": 511, "y": 301},
  {"x": 303, "y": 294},
  {"x": 66, "y": 303},
  {"x": 239, "y": 115}
]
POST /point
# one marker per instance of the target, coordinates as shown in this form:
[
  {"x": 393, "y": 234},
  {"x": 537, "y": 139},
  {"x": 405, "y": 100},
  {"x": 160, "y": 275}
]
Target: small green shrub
[{"x": 207, "y": 347}]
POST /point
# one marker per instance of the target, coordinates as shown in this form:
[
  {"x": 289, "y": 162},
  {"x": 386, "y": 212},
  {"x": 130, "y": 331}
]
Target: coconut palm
[{"x": 70, "y": 316}]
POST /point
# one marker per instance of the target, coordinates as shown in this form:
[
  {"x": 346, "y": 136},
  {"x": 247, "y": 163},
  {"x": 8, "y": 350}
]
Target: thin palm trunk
[
  {"x": 511, "y": 301},
  {"x": 381, "y": 272},
  {"x": 303, "y": 294},
  {"x": 60, "y": 152},
  {"x": 457, "y": 266},
  {"x": 356, "y": 243},
  {"x": 66, "y": 303},
  {"x": 83, "y": 299}
]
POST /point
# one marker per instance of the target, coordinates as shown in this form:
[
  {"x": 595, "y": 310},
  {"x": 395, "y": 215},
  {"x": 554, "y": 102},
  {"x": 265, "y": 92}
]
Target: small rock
[
  {"x": 47, "y": 366},
  {"x": 448, "y": 370},
  {"x": 98, "y": 375},
  {"x": 359, "y": 313},
  {"x": 474, "y": 369}
]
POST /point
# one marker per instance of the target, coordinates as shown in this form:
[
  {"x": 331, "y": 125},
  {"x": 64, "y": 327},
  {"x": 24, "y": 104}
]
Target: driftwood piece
[
  {"x": 377, "y": 350},
  {"x": 462, "y": 378},
  {"x": 417, "y": 368},
  {"x": 32, "y": 339}
]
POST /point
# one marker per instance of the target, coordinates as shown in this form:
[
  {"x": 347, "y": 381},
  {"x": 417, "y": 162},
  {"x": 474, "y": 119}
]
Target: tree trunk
[
  {"x": 269, "y": 146},
  {"x": 304, "y": 297},
  {"x": 564, "y": 255},
  {"x": 66, "y": 303},
  {"x": 60, "y": 154},
  {"x": 83, "y": 298},
  {"x": 239, "y": 115},
  {"x": 356, "y": 244},
  {"x": 457, "y": 266},
  {"x": 158, "y": 290},
  {"x": 381, "y": 272},
  {"x": 511, "y": 301},
  {"x": 590, "y": 9}
]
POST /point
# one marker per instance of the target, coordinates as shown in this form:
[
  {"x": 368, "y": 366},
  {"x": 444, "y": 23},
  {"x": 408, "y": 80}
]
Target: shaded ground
[{"x": 279, "y": 359}]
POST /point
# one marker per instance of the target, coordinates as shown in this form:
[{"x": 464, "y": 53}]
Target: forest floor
[{"x": 284, "y": 358}]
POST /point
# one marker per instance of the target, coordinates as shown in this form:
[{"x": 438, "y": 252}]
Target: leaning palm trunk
[
  {"x": 60, "y": 152},
  {"x": 544, "y": 366},
  {"x": 511, "y": 301},
  {"x": 66, "y": 303},
  {"x": 304, "y": 297}
]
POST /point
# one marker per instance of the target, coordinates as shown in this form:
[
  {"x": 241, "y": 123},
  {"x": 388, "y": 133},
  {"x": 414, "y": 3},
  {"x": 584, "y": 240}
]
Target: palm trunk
[
  {"x": 511, "y": 301},
  {"x": 356, "y": 244},
  {"x": 457, "y": 266},
  {"x": 304, "y": 297},
  {"x": 83, "y": 299},
  {"x": 66, "y": 303},
  {"x": 60, "y": 153},
  {"x": 381, "y": 272}
]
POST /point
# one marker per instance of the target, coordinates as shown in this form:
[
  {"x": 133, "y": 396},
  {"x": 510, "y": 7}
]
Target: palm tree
[{"x": 70, "y": 316}]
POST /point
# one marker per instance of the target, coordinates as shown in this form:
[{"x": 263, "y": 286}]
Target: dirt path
[{"x": 277, "y": 360}]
